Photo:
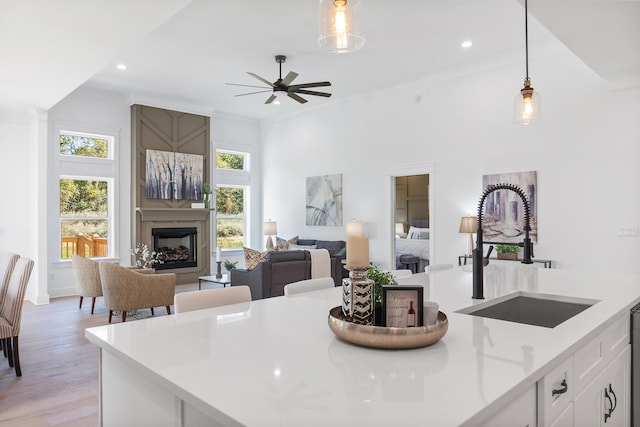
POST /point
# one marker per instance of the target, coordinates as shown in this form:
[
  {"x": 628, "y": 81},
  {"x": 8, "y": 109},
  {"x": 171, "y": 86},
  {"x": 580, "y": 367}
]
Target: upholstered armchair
[
  {"x": 125, "y": 289},
  {"x": 88, "y": 276}
]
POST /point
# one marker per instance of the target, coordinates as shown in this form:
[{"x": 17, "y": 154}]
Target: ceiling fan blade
[
  {"x": 238, "y": 84},
  {"x": 300, "y": 99},
  {"x": 253, "y": 93},
  {"x": 312, "y": 92},
  {"x": 271, "y": 99},
  {"x": 303, "y": 85},
  {"x": 265, "y": 81},
  {"x": 289, "y": 78}
]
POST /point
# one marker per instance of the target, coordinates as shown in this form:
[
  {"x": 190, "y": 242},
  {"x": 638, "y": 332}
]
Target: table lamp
[
  {"x": 400, "y": 229},
  {"x": 469, "y": 225},
  {"x": 270, "y": 229},
  {"x": 354, "y": 228}
]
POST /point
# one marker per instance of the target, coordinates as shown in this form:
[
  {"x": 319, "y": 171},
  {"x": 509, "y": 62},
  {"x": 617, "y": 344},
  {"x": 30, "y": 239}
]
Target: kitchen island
[{"x": 275, "y": 362}]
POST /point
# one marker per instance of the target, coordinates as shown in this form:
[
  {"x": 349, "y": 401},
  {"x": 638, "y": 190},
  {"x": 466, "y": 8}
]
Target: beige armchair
[
  {"x": 125, "y": 289},
  {"x": 88, "y": 276}
]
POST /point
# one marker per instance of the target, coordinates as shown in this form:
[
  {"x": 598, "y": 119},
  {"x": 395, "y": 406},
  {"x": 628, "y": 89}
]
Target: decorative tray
[{"x": 383, "y": 337}]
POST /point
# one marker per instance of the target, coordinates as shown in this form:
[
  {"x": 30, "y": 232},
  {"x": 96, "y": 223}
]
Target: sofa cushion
[
  {"x": 253, "y": 257},
  {"x": 336, "y": 247},
  {"x": 301, "y": 247}
]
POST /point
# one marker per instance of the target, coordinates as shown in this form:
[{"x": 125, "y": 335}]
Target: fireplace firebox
[{"x": 175, "y": 247}]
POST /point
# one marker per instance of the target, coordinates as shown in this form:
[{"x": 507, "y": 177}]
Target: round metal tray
[{"x": 382, "y": 337}]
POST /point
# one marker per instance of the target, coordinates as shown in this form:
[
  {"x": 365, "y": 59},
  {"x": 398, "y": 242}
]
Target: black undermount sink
[{"x": 531, "y": 309}]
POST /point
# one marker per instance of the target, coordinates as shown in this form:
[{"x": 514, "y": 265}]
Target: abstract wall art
[
  {"x": 173, "y": 176},
  {"x": 324, "y": 200},
  {"x": 503, "y": 217}
]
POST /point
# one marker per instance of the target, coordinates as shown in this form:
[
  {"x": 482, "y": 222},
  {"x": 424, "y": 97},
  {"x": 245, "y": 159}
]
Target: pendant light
[
  {"x": 527, "y": 102},
  {"x": 340, "y": 26}
]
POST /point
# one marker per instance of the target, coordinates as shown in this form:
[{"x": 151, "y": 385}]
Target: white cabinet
[
  {"x": 605, "y": 402},
  {"x": 592, "y": 387},
  {"x": 519, "y": 413}
]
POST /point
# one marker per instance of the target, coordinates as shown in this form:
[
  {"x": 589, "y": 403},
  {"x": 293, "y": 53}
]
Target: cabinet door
[
  {"x": 519, "y": 413},
  {"x": 565, "y": 419},
  {"x": 616, "y": 391},
  {"x": 605, "y": 402}
]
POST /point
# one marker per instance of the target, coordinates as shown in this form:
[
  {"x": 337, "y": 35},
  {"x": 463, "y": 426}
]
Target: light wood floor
[{"x": 59, "y": 383}]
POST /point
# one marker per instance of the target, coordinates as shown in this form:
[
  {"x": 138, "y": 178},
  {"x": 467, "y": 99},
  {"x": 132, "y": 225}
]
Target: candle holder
[
  {"x": 219, "y": 272},
  {"x": 358, "y": 297}
]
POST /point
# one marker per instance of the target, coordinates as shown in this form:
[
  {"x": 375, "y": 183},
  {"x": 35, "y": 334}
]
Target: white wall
[
  {"x": 19, "y": 173},
  {"x": 585, "y": 151},
  {"x": 93, "y": 111}
]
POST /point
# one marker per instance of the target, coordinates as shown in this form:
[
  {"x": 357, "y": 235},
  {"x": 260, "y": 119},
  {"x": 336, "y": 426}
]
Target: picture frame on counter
[{"x": 402, "y": 306}]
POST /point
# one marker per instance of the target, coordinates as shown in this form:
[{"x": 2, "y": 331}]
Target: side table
[{"x": 224, "y": 280}]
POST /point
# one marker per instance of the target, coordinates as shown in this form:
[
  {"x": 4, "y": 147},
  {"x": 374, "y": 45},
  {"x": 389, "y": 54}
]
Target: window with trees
[
  {"x": 231, "y": 196},
  {"x": 85, "y": 186}
]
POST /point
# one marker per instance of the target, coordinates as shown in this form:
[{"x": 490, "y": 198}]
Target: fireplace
[{"x": 176, "y": 247}]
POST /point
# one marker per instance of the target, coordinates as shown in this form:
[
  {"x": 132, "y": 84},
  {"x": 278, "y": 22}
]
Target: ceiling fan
[{"x": 283, "y": 87}]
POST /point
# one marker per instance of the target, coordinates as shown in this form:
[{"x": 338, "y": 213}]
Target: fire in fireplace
[{"x": 176, "y": 247}]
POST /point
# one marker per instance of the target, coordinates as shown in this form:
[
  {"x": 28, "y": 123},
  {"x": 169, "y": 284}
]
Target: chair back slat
[
  {"x": 7, "y": 263},
  {"x": 12, "y": 308},
  {"x": 207, "y": 298}
]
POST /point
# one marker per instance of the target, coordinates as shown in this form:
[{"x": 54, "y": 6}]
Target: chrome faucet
[{"x": 477, "y": 253}]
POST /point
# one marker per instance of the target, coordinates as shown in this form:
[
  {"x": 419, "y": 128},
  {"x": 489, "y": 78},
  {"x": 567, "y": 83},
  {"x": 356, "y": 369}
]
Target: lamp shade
[
  {"x": 527, "y": 106},
  {"x": 270, "y": 228},
  {"x": 340, "y": 26},
  {"x": 468, "y": 224},
  {"x": 354, "y": 228},
  {"x": 399, "y": 228}
]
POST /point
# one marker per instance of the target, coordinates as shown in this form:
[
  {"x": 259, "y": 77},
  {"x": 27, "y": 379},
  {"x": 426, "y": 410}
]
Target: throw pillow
[
  {"x": 293, "y": 247},
  {"x": 253, "y": 257},
  {"x": 283, "y": 245}
]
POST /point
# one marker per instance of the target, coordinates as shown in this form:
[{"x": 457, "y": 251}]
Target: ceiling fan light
[
  {"x": 340, "y": 26},
  {"x": 280, "y": 93}
]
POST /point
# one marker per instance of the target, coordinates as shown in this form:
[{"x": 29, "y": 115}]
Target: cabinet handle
[
  {"x": 562, "y": 389},
  {"x": 612, "y": 406},
  {"x": 615, "y": 402}
]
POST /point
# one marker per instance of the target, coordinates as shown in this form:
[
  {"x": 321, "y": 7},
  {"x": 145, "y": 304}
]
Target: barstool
[{"x": 410, "y": 262}]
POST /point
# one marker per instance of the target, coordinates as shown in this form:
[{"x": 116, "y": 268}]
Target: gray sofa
[{"x": 269, "y": 277}]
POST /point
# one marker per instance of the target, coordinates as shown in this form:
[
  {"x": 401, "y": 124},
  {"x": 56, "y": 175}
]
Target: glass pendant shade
[
  {"x": 527, "y": 106},
  {"x": 340, "y": 26}
]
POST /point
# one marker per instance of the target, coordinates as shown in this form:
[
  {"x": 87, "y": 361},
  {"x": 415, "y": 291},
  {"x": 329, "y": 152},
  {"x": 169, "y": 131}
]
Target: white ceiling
[{"x": 184, "y": 51}]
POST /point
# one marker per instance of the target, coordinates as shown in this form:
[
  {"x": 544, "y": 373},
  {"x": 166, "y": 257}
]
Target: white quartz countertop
[{"x": 275, "y": 362}]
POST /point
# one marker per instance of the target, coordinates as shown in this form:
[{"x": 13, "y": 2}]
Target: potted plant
[
  {"x": 206, "y": 194},
  {"x": 228, "y": 265},
  {"x": 379, "y": 278},
  {"x": 507, "y": 251}
]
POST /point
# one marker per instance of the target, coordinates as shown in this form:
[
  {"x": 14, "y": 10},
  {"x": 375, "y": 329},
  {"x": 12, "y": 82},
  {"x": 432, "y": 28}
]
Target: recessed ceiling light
[
  {"x": 121, "y": 67},
  {"x": 467, "y": 43}
]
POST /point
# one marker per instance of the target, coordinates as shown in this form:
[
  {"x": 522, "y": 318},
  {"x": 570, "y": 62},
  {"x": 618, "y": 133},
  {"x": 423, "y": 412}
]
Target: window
[
  {"x": 86, "y": 183},
  {"x": 232, "y": 195},
  {"x": 231, "y": 160},
  {"x": 84, "y": 217},
  {"x": 230, "y": 217},
  {"x": 72, "y": 144}
]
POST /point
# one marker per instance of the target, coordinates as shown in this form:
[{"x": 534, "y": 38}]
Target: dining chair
[
  {"x": 88, "y": 276},
  {"x": 308, "y": 285},
  {"x": 401, "y": 273},
  {"x": 436, "y": 267},
  {"x": 7, "y": 263},
  {"x": 11, "y": 311},
  {"x": 207, "y": 298}
]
